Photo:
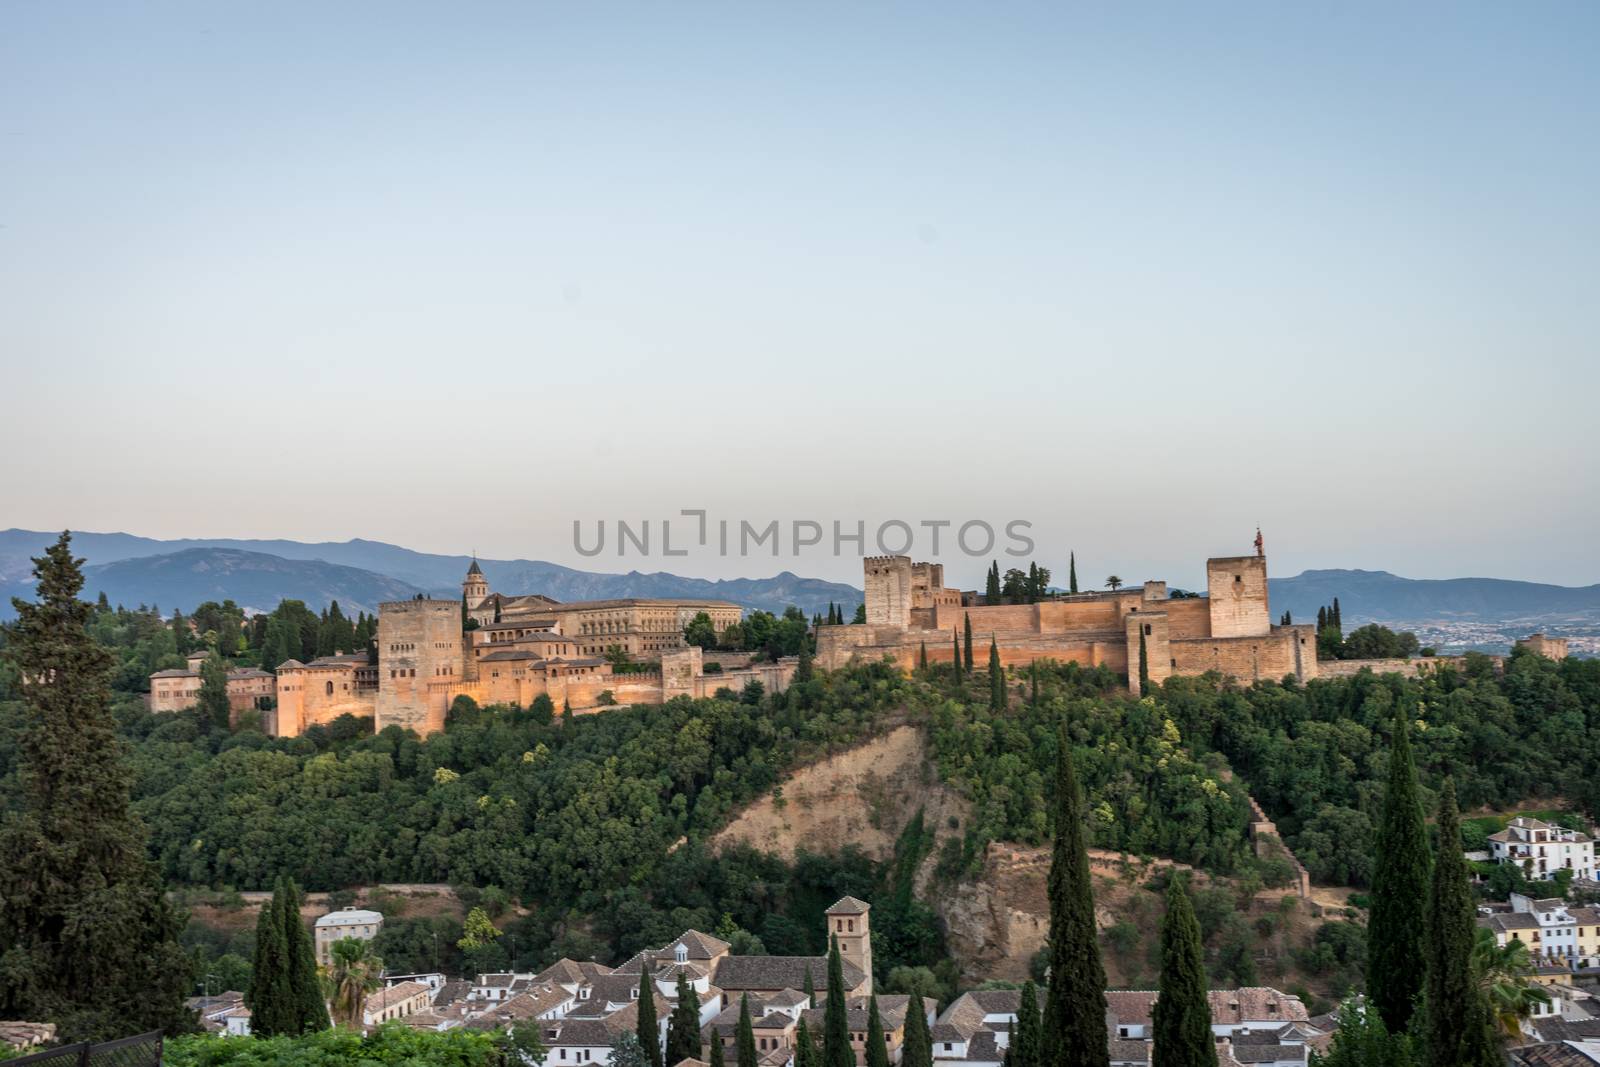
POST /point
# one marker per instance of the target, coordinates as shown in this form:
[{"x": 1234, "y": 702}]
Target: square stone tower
[
  {"x": 848, "y": 921},
  {"x": 420, "y": 654},
  {"x": 1237, "y": 589},
  {"x": 888, "y": 586}
]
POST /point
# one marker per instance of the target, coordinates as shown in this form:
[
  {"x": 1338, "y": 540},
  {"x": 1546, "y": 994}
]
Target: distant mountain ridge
[
  {"x": 1378, "y": 596},
  {"x": 359, "y": 574}
]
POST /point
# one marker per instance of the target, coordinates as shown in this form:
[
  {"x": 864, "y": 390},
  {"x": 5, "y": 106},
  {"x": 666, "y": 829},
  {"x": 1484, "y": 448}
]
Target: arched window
[{"x": 330, "y": 689}]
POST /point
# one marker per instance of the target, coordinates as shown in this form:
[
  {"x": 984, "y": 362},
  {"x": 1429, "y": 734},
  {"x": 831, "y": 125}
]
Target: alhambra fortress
[
  {"x": 1229, "y": 630},
  {"x": 519, "y": 647}
]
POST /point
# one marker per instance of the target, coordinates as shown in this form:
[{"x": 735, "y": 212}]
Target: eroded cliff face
[
  {"x": 996, "y": 923},
  {"x": 864, "y": 797}
]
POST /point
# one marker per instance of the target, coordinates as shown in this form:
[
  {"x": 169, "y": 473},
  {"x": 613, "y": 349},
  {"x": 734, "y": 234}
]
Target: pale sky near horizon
[{"x": 454, "y": 276}]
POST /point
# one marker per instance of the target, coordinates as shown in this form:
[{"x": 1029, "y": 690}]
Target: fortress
[
  {"x": 1229, "y": 630},
  {"x": 522, "y": 647}
]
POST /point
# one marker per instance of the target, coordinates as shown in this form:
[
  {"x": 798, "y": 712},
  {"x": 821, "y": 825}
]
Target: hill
[
  {"x": 406, "y": 571},
  {"x": 1378, "y": 596}
]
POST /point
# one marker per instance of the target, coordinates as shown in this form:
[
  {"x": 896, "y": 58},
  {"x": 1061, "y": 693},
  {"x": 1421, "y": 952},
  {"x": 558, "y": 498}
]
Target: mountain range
[{"x": 360, "y": 574}]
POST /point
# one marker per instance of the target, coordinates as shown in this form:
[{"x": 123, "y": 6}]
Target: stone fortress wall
[{"x": 1230, "y": 630}]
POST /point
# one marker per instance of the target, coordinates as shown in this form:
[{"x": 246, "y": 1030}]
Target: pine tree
[
  {"x": 683, "y": 1029},
  {"x": 1182, "y": 1014},
  {"x": 311, "y": 1010},
  {"x": 966, "y": 626},
  {"x": 1025, "y": 1050},
  {"x": 88, "y": 938},
  {"x": 1400, "y": 877},
  {"x": 213, "y": 699},
  {"x": 916, "y": 1049},
  {"x": 1072, "y": 572},
  {"x": 1074, "y": 1025},
  {"x": 877, "y": 1048},
  {"x": 649, "y": 1029},
  {"x": 806, "y": 1053},
  {"x": 997, "y": 678},
  {"x": 270, "y": 998},
  {"x": 1455, "y": 1030},
  {"x": 745, "y": 1042},
  {"x": 836, "y": 1047},
  {"x": 718, "y": 1057}
]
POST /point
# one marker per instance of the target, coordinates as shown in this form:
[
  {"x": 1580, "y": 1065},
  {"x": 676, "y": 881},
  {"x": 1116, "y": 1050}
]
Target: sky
[{"x": 1142, "y": 276}]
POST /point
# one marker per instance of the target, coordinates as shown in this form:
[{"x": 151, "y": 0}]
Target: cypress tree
[
  {"x": 1025, "y": 1050},
  {"x": 1395, "y": 929},
  {"x": 997, "y": 678},
  {"x": 1335, "y": 617},
  {"x": 877, "y": 1047},
  {"x": 649, "y": 1027},
  {"x": 810, "y": 990},
  {"x": 803, "y": 670},
  {"x": 1033, "y": 678},
  {"x": 1455, "y": 1030},
  {"x": 745, "y": 1041},
  {"x": 1182, "y": 1015},
  {"x": 917, "y": 1048},
  {"x": 311, "y": 1010},
  {"x": 717, "y": 1055},
  {"x": 88, "y": 938},
  {"x": 922, "y": 657},
  {"x": 806, "y": 1053},
  {"x": 213, "y": 700},
  {"x": 991, "y": 584},
  {"x": 836, "y": 1048},
  {"x": 270, "y": 998},
  {"x": 1074, "y": 1024},
  {"x": 1144, "y": 665},
  {"x": 1033, "y": 582},
  {"x": 955, "y": 646},
  {"x": 1072, "y": 572},
  {"x": 683, "y": 1029},
  {"x": 1322, "y": 619},
  {"x": 966, "y": 626}
]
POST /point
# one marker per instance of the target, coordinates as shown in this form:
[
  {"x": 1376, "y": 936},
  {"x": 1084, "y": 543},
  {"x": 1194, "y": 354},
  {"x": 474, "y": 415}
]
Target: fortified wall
[{"x": 1229, "y": 630}]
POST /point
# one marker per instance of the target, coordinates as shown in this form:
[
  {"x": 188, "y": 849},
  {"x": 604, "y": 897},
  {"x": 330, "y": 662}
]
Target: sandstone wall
[{"x": 420, "y": 655}]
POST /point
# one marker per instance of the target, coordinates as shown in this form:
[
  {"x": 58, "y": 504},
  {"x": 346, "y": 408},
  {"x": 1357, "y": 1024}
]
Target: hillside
[{"x": 439, "y": 575}]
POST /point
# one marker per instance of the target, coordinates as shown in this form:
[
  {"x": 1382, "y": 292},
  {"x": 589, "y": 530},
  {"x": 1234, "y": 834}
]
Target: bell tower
[
  {"x": 849, "y": 923},
  {"x": 475, "y": 589}
]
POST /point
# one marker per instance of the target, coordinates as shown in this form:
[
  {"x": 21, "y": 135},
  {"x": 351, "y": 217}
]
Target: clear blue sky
[{"x": 456, "y": 275}]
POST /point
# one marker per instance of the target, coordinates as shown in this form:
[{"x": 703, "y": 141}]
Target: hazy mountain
[
  {"x": 179, "y": 574},
  {"x": 1383, "y": 597}
]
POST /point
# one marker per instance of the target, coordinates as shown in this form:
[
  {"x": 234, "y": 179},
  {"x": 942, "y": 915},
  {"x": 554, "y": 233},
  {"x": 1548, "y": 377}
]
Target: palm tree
[
  {"x": 1503, "y": 972},
  {"x": 352, "y": 973},
  {"x": 1113, "y": 582}
]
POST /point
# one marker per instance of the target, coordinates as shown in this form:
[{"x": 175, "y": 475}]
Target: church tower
[
  {"x": 847, "y": 921},
  {"x": 475, "y": 590}
]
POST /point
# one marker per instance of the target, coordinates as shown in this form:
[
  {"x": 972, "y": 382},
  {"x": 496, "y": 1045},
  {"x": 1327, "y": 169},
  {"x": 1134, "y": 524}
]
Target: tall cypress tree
[
  {"x": 649, "y": 1028},
  {"x": 1072, "y": 572},
  {"x": 270, "y": 998},
  {"x": 955, "y": 646},
  {"x": 916, "y": 1049},
  {"x": 683, "y": 1029},
  {"x": 745, "y": 1041},
  {"x": 877, "y": 1047},
  {"x": 991, "y": 584},
  {"x": 311, "y": 1010},
  {"x": 966, "y": 626},
  {"x": 922, "y": 657},
  {"x": 1074, "y": 1025},
  {"x": 997, "y": 678},
  {"x": 836, "y": 1048},
  {"x": 213, "y": 699},
  {"x": 1455, "y": 1030},
  {"x": 1400, "y": 877},
  {"x": 88, "y": 938},
  {"x": 1025, "y": 1050},
  {"x": 810, "y": 990},
  {"x": 1144, "y": 665},
  {"x": 718, "y": 1057},
  {"x": 805, "y": 1047},
  {"x": 1182, "y": 1015}
]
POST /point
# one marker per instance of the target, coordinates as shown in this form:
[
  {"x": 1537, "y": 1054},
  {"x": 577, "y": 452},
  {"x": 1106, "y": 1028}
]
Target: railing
[{"x": 143, "y": 1050}]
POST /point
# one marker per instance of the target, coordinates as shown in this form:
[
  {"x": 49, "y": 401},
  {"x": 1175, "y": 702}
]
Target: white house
[{"x": 1541, "y": 849}]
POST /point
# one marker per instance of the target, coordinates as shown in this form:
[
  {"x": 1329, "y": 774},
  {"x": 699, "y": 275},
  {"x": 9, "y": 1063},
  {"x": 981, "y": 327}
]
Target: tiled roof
[
  {"x": 850, "y": 906},
  {"x": 395, "y": 994},
  {"x": 771, "y": 973}
]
